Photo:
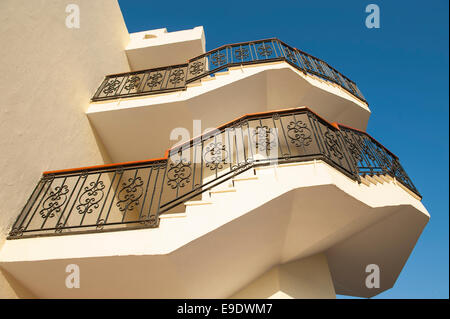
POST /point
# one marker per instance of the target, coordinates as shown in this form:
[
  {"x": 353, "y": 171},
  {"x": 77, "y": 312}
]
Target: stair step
[
  {"x": 222, "y": 73},
  {"x": 229, "y": 190},
  {"x": 378, "y": 179},
  {"x": 174, "y": 215},
  {"x": 245, "y": 178},
  {"x": 209, "y": 78},
  {"x": 233, "y": 68},
  {"x": 387, "y": 178},
  {"x": 194, "y": 84},
  {"x": 197, "y": 203},
  {"x": 371, "y": 179},
  {"x": 365, "y": 181}
]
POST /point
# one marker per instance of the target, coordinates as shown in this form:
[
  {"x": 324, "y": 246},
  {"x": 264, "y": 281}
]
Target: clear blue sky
[{"x": 401, "y": 68}]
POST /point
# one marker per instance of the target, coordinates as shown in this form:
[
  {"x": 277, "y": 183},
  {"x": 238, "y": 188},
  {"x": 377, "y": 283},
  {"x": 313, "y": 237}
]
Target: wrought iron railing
[
  {"x": 176, "y": 77},
  {"x": 121, "y": 196}
]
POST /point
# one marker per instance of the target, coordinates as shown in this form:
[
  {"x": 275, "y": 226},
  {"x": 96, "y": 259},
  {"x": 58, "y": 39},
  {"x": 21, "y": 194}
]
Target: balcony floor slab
[{"x": 215, "y": 250}]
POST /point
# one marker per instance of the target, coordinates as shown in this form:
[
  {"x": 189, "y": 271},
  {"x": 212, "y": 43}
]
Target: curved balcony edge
[{"x": 177, "y": 77}]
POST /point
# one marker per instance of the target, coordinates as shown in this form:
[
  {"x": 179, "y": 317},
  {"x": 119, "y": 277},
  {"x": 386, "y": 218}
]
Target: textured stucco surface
[
  {"x": 307, "y": 278},
  {"x": 48, "y": 74}
]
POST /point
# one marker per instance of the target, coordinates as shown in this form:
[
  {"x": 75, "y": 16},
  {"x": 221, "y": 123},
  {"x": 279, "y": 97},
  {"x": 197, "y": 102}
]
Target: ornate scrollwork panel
[
  {"x": 367, "y": 151},
  {"x": 353, "y": 148},
  {"x": 129, "y": 195},
  {"x": 91, "y": 197},
  {"x": 289, "y": 54},
  {"x": 218, "y": 59},
  {"x": 196, "y": 68},
  {"x": 54, "y": 201},
  {"x": 132, "y": 83},
  {"x": 179, "y": 173},
  {"x": 215, "y": 155},
  {"x": 111, "y": 86},
  {"x": 154, "y": 80},
  {"x": 306, "y": 62},
  {"x": 299, "y": 133},
  {"x": 176, "y": 76},
  {"x": 333, "y": 145},
  {"x": 265, "y": 50},
  {"x": 242, "y": 53},
  {"x": 264, "y": 138}
]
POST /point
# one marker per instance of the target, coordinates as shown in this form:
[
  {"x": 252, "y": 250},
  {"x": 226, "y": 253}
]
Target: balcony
[
  {"x": 177, "y": 77},
  {"x": 230, "y": 84},
  {"x": 217, "y": 87},
  {"x": 137, "y": 194}
]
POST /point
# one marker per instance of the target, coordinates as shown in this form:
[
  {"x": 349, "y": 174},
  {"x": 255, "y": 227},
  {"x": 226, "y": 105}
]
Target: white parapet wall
[
  {"x": 49, "y": 73},
  {"x": 158, "y": 48},
  {"x": 307, "y": 278}
]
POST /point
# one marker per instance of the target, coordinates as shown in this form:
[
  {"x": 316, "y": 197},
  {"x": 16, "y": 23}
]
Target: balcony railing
[
  {"x": 176, "y": 77},
  {"x": 135, "y": 194}
]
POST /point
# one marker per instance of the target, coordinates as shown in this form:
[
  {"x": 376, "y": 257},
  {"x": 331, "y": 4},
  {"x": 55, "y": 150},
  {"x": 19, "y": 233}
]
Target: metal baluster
[
  {"x": 243, "y": 142},
  {"x": 229, "y": 148},
  {"x": 317, "y": 136},
  {"x": 194, "y": 162},
  {"x": 68, "y": 201},
  {"x": 346, "y": 153},
  {"x": 162, "y": 188},
  {"x": 236, "y": 144},
  {"x": 285, "y": 136},
  {"x": 121, "y": 173},
  {"x": 154, "y": 190},
  {"x": 146, "y": 192},
  {"x": 250, "y": 141},
  {"x": 106, "y": 198}
]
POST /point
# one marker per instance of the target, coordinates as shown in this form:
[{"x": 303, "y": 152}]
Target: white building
[{"x": 288, "y": 198}]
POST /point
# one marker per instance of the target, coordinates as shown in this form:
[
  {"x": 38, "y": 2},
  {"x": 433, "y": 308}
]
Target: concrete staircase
[{"x": 244, "y": 186}]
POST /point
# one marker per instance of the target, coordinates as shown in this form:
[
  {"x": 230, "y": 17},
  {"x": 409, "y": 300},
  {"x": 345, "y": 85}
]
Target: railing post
[
  {"x": 352, "y": 160},
  {"x": 18, "y": 228}
]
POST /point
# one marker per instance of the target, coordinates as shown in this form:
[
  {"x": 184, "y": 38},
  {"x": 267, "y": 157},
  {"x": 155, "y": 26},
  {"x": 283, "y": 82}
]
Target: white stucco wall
[
  {"x": 48, "y": 74},
  {"x": 156, "y": 48},
  {"x": 307, "y": 278}
]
